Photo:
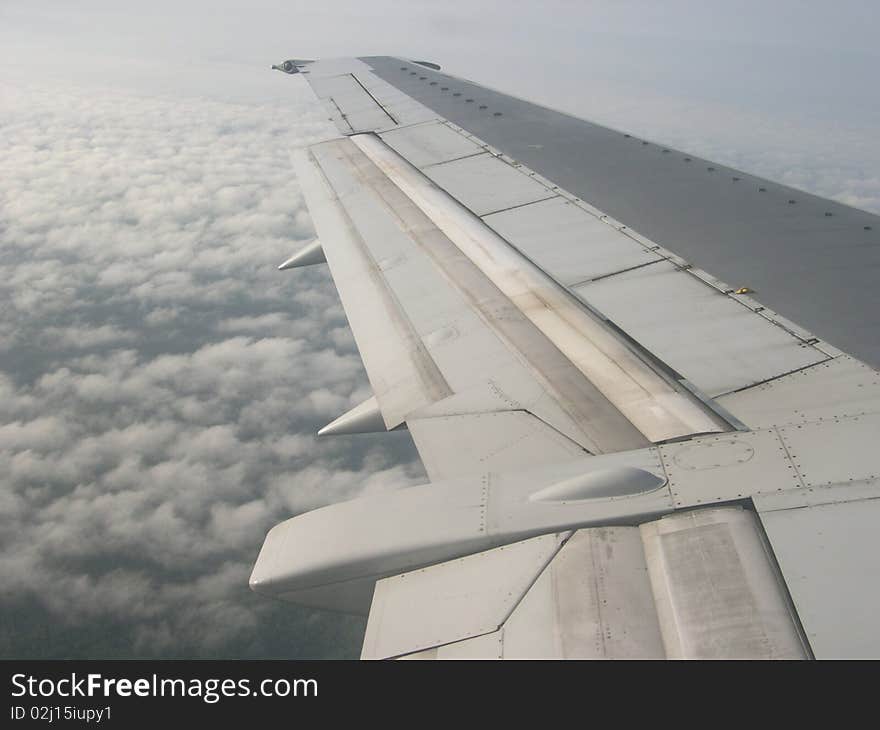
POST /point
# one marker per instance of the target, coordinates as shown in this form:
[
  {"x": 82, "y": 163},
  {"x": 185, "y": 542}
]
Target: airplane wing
[{"x": 633, "y": 450}]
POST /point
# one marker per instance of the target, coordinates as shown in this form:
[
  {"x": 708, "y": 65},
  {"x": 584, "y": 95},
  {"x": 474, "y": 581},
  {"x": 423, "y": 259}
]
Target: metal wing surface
[{"x": 633, "y": 449}]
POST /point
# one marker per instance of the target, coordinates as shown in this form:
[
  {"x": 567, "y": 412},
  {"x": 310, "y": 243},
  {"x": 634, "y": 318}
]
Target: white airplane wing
[{"x": 633, "y": 449}]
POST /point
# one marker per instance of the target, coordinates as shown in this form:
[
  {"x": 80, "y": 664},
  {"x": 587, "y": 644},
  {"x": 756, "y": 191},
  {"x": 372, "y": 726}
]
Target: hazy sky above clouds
[{"x": 161, "y": 382}]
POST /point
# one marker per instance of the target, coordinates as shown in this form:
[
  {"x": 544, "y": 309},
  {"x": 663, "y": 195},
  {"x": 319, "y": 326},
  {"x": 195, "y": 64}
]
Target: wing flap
[
  {"x": 454, "y": 601},
  {"x": 402, "y": 374},
  {"x": 658, "y": 405},
  {"x": 693, "y": 585},
  {"x": 592, "y": 601},
  {"x": 432, "y": 330}
]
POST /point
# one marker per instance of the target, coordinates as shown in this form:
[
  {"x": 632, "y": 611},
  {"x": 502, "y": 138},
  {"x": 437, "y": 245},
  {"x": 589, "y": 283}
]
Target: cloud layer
[{"x": 161, "y": 380}]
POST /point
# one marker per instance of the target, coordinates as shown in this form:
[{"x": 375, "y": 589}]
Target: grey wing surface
[{"x": 642, "y": 385}]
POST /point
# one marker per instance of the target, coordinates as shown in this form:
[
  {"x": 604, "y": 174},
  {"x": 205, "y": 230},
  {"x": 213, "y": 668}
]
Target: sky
[{"x": 161, "y": 382}]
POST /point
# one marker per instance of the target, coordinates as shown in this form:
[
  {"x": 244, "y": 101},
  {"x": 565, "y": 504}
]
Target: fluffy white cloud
[{"x": 161, "y": 380}]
